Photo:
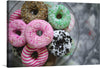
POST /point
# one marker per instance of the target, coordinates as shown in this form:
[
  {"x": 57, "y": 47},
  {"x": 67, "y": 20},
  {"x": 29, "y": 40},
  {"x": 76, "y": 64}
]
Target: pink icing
[
  {"x": 29, "y": 61},
  {"x": 72, "y": 23},
  {"x": 38, "y": 41},
  {"x": 15, "y": 39},
  {"x": 15, "y": 15}
]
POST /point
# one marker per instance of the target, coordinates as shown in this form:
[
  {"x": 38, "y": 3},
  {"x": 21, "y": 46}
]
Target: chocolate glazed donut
[{"x": 33, "y": 10}]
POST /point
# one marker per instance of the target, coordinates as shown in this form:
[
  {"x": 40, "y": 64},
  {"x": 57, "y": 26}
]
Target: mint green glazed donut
[{"x": 59, "y": 17}]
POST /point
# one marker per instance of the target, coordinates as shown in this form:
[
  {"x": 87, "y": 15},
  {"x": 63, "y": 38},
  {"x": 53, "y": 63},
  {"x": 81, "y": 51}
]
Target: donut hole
[
  {"x": 59, "y": 16},
  {"x": 60, "y": 42},
  {"x": 18, "y": 32},
  {"x": 39, "y": 32},
  {"x": 34, "y": 55},
  {"x": 34, "y": 11}
]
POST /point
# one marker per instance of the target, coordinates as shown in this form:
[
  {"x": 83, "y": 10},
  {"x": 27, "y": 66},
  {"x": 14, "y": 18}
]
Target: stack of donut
[{"x": 52, "y": 41}]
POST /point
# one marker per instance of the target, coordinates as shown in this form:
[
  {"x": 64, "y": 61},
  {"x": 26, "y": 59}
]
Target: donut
[
  {"x": 50, "y": 4},
  {"x": 61, "y": 43},
  {"x": 72, "y": 49},
  {"x": 15, "y": 15},
  {"x": 72, "y": 23},
  {"x": 34, "y": 10},
  {"x": 33, "y": 39},
  {"x": 17, "y": 33},
  {"x": 59, "y": 17},
  {"x": 28, "y": 60}
]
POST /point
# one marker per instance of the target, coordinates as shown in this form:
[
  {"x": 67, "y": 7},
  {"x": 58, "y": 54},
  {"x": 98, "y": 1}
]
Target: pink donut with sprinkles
[
  {"x": 27, "y": 59},
  {"x": 35, "y": 40},
  {"x": 72, "y": 23},
  {"x": 17, "y": 33},
  {"x": 15, "y": 15}
]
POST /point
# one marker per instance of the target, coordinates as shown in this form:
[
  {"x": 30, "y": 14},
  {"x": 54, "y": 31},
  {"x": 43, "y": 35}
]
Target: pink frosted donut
[
  {"x": 27, "y": 59},
  {"x": 35, "y": 40},
  {"x": 72, "y": 22},
  {"x": 16, "y": 33},
  {"x": 15, "y": 15}
]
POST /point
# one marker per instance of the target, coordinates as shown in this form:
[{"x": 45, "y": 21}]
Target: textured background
[{"x": 85, "y": 34}]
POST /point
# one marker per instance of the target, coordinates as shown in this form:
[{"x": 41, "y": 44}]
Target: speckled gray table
[{"x": 88, "y": 47}]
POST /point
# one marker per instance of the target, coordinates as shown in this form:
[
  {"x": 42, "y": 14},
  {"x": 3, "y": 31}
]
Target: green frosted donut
[{"x": 59, "y": 17}]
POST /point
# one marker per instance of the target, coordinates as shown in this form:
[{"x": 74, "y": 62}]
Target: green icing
[{"x": 61, "y": 23}]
